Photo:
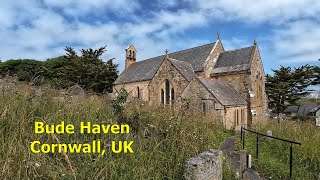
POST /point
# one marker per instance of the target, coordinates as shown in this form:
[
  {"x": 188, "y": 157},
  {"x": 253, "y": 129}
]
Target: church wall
[
  {"x": 201, "y": 100},
  {"x": 239, "y": 82},
  {"x": 258, "y": 102},
  {"x": 236, "y": 116},
  {"x": 212, "y": 59},
  {"x": 177, "y": 81},
  {"x": 132, "y": 89}
]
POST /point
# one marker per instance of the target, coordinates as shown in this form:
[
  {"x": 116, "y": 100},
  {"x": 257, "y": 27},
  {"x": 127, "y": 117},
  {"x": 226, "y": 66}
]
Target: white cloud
[
  {"x": 35, "y": 29},
  {"x": 273, "y": 11},
  {"x": 298, "y": 42}
]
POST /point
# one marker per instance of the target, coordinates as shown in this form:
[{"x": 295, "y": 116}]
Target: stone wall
[
  {"x": 212, "y": 58},
  {"x": 177, "y": 81},
  {"x": 258, "y": 101},
  {"x": 236, "y": 116},
  {"x": 197, "y": 96},
  {"x": 239, "y": 82},
  {"x": 207, "y": 165},
  {"x": 132, "y": 89}
]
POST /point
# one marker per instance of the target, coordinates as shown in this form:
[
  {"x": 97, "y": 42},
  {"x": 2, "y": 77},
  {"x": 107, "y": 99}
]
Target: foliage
[
  {"x": 87, "y": 70},
  {"x": 119, "y": 102},
  {"x": 273, "y": 159},
  {"x": 24, "y": 69},
  {"x": 287, "y": 86},
  {"x": 316, "y": 80},
  {"x": 161, "y": 147}
]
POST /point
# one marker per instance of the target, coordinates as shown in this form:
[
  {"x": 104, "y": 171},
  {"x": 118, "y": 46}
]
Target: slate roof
[
  {"x": 146, "y": 69},
  {"x": 225, "y": 94},
  {"x": 140, "y": 71},
  {"x": 292, "y": 109},
  {"x": 234, "y": 60},
  {"x": 184, "y": 68},
  {"x": 303, "y": 110},
  {"x": 306, "y": 109}
]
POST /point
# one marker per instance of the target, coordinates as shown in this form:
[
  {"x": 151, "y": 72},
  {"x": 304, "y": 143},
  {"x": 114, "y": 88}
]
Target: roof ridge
[
  {"x": 192, "y": 48},
  {"x": 177, "y": 51},
  {"x": 186, "y": 63},
  {"x": 237, "y": 49}
]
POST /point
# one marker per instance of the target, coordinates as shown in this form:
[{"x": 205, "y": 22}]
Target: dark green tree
[
  {"x": 316, "y": 80},
  {"x": 288, "y": 85},
  {"x": 24, "y": 69},
  {"x": 87, "y": 70}
]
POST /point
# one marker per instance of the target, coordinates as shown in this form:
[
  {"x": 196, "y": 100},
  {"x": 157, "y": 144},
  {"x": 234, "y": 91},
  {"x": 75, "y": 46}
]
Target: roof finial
[
  {"x": 166, "y": 52},
  {"x": 218, "y": 35},
  {"x": 254, "y": 42}
]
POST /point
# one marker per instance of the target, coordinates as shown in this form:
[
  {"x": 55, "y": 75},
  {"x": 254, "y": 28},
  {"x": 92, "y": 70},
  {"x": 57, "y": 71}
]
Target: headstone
[
  {"x": 207, "y": 165},
  {"x": 249, "y": 161},
  {"x": 76, "y": 92},
  {"x": 318, "y": 121},
  {"x": 269, "y": 133}
]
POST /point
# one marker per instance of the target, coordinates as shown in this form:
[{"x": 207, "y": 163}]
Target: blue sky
[{"x": 287, "y": 31}]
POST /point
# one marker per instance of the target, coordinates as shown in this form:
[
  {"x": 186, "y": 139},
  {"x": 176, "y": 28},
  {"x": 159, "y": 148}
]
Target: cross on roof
[{"x": 166, "y": 51}]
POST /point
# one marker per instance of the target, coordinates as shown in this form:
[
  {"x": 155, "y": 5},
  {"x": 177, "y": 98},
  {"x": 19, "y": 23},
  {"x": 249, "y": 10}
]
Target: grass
[
  {"x": 164, "y": 140},
  {"x": 307, "y": 100},
  {"x": 273, "y": 159}
]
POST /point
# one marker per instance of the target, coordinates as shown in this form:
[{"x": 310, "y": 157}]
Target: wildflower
[
  {"x": 237, "y": 175},
  {"x": 63, "y": 174},
  {"x": 37, "y": 164}
]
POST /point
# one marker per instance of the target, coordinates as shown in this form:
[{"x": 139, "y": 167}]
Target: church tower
[{"x": 131, "y": 54}]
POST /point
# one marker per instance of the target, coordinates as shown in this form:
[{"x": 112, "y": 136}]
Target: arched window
[
  {"x": 237, "y": 114},
  {"x": 133, "y": 55},
  {"x": 204, "y": 108},
  {"x": 138, "y": 92},
  {"x": 172, "y": 95},
  {"x": 167, "y": 88},
  {"x": 162, "y": 96}
]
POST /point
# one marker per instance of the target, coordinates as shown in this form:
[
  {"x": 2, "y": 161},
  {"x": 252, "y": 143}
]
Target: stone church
[{"x": 227, "y": 85}]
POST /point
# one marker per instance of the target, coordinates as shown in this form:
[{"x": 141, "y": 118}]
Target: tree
[
  {"x": 24, "y": 69},
  {"x": 316, "y": 80},
  {"x": 286, "y": 86},
  {"x": 88, "y": 70}
]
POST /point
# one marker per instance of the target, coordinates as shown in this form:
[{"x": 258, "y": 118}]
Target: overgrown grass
[
  {"x": 274, "y": 155},
  {"x": 162, "y": 143},
  {"x": 307, "y": 100}
]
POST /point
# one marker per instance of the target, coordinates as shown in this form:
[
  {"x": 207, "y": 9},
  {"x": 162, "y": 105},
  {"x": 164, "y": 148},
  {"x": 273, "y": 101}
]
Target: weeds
[{"x": 163, "y": 141}]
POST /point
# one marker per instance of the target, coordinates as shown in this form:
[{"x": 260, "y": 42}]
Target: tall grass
[
  {"x": 163, "y": 139},
  {"x": 274, "y": 155}
]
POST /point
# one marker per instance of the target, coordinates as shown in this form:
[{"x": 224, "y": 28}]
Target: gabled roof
[
  {"x": 146, "y": 69},
  {"x": 184, "y": 68},
  {"x": 292, "y": 109},
  {"x": 225, "y": 94},
  {"x": 140, "y": 71},
  {"x": 234, "y": 60},
  {"x": 306, "y": 109},
  {"x": 195, "y": 56}
]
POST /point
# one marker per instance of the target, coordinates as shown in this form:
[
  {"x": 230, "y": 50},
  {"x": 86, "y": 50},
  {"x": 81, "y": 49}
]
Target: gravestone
[
  {"x": 207, "y": 165},
  {"x": 76, "y": 92}
]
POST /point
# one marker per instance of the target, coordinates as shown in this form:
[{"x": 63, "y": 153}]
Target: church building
[{"x": 226, "y": 85}]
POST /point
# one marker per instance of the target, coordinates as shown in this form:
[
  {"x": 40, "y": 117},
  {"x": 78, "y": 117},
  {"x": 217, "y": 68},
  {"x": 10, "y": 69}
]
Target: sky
[{"x": 287, "y": 31}]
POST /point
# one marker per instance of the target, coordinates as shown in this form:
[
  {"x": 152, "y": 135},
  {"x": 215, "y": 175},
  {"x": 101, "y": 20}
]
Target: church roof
[
  {"x": 234, "y": 60},
  {"x": 140, "y": 71},
  {"x": 184, "y": 68},
  {"x": 146, "y": 69},
  {"x": 225, "y": 94}
]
